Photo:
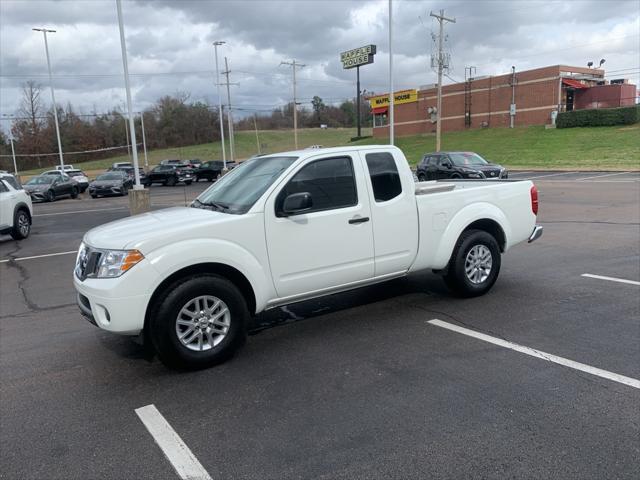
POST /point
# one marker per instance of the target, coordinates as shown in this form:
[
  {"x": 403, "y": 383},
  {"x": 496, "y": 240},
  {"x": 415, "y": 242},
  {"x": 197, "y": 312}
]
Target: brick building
[{"x": 485, "y": 101}]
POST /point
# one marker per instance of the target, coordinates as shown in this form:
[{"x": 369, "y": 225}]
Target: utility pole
[
  {"x": 293, "y": 64},
  {"x": 441, "y": 61},
  {"x": 53, "y": 96},
  {"x": 512, "y": 107},
  {"x": 144, "y": 141},
  {"x": 391, "y": 108},
  {"x": 13, "y": 154},
  {"x": 216, "y": 44},
  {"x": 229, "y": 116},
  {"x": 255, "y": 126}
]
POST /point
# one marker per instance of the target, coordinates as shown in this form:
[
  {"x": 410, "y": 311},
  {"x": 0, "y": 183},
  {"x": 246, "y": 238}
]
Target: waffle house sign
[{"x": 403, "y": 96}]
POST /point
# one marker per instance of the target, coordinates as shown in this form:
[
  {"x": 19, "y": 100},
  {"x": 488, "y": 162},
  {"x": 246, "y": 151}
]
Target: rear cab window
[{"x": 384, "y": 176}]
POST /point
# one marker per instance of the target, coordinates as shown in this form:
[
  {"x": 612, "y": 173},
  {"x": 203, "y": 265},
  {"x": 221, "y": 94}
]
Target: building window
[{"x": 381, "y": 120}]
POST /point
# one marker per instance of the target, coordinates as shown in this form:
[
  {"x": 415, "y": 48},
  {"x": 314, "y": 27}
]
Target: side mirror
[
  {"x": 297, "y": 203},
  {"x": 446, "y": 165}
]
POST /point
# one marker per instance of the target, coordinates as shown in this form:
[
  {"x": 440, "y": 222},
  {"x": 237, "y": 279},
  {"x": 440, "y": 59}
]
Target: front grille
[{"x": 88, "y": 262}]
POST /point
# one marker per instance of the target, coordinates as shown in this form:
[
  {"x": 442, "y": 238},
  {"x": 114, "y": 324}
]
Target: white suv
[{"x": 16, "y": 210}]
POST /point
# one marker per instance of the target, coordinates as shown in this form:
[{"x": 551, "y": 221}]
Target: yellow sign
[{"x": 403, "y": 96}]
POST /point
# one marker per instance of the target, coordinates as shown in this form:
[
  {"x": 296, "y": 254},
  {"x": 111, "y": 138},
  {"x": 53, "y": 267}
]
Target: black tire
[
  {"x": 51, "y": 196},
  {"x": 422, "y": 177},
  {"x": 212, "y": 179},
  {"x": 163, "y": 320},
  {"x": 188, "y": 182},
  {"x": 74, "y": 192},
  {"x": 21, "y": 224},
  {"x": 93, "y": 195},
  {"x": 171, "y": 182},
  {"x": 456, "y": 277},
  {"x": 456, "y": 176}
]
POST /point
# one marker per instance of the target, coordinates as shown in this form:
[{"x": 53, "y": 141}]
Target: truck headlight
[{"x": 114, "y": 263}]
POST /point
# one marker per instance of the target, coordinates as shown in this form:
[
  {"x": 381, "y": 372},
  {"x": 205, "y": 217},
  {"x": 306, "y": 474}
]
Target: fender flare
[
  {"x": 481, "y": 211},
  {"x": 21, "y": 206}
]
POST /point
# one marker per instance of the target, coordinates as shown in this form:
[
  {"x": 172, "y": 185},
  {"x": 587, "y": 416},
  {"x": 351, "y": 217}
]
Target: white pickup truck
[{"x": 287, "y": 227}]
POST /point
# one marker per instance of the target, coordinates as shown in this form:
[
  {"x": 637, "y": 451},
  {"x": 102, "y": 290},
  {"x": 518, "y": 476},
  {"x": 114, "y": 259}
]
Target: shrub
[{"x": 599, "y": 117}]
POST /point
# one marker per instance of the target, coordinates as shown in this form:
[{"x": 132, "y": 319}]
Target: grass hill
[{"x": 588, "y": 148}]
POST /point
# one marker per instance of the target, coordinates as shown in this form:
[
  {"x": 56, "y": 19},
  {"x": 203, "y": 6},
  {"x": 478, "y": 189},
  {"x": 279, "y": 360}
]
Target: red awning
[
  {"x": 570, "y": 82},
  {"x": 379, "y": 110}
]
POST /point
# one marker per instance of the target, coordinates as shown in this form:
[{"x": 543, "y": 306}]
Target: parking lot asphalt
[{"x": 358, "y": 385}]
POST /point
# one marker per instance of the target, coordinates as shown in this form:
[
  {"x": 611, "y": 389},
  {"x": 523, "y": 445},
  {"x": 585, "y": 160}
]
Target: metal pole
[
  {"x": 391, "y": 108},
  {"x": 295, "y": 108},
  {"x": 126, "y": 133},
  {"x": 513, "y": 97},
  {"x": 255, "y": 126},
  {"x": 229, "y": 117},
  {"x": 127, "y": 87},
  {"x": 53, "y": 95},
  {"x": 440, "y": 61},
  {"x": 220, "y": 112},
  {"x": 144, "y": 141},
  {"x": 13, "y": 154},
  {"x": 358, "y": 104}
]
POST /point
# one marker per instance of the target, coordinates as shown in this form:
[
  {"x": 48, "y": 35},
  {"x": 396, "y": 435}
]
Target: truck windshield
[
  {"x": 464, "y": 159},
  {"x": 239, "y": 189}
]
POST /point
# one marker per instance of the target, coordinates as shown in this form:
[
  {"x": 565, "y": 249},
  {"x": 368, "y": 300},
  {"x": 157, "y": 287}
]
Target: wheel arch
[
  {"x": 22, "y": 206},
  {"x": 234, "y": 275}
]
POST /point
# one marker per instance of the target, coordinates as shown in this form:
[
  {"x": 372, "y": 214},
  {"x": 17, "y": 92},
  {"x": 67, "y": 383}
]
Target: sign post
[{"x": 356, "y": 58}]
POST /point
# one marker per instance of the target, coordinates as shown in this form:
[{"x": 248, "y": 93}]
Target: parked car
[
  {"x": 194, "y": 163},
  {"x": 169, "y": 175},
  {"x": 210, "y": 170},
  {"x": 121, "y": 164},
  {"x": 111, "y": 183},
  {"x": 288, "y": 227},
  {"x": 47, "y": 188},
  {"x": 64, "y": 168},
  {"x": 16, "y": 210},
  {"x": 130, "y": 171},
  {"x": 444, "y": 165},
  {"x": 75, "y": 174}
]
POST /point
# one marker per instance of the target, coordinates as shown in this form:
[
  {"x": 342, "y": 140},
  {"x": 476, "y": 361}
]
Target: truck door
[
  {"x": 393, "y": 212},
  {"x": 6, "y": 205},
  {"x": 329, "y": 244}
]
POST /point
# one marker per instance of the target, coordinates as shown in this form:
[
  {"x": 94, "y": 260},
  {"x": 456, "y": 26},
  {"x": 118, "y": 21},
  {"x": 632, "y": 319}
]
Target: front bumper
[
  {"x": 119, "y": 304},
  {"x": 536, "y": 234},
  {"x": 105, "y": 190},
  {"x": 37, "y": 196}
]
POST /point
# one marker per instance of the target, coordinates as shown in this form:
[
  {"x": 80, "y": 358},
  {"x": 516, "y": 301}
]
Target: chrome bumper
[{"x": 536, "y": 234}]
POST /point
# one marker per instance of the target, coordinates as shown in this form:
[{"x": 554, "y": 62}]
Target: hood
[
  {"x": 104, "y": 183},
  {"x": 150, "y": 230},
  {"x": 37, "y": 188},
  {"x": 486, "y": 168}
]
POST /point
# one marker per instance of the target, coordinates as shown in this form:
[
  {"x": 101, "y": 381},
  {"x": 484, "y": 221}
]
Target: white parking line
[
  {"x": 600, "y": 176},
  {"x": 79, "y": 211},
  {"x": 181, "y": 458},
  {"x": 610, "y": 279},
  {"x": 552, "y": 175},
  {"x": 632, "y": 382},
  {"x": 19, "y": 259}
]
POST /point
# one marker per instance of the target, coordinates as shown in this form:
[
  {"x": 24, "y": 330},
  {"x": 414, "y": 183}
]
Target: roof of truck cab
[{"x": 312, "y": 152}]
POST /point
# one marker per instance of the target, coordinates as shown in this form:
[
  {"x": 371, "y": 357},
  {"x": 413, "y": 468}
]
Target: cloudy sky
[{"x": 169, "y": 44}]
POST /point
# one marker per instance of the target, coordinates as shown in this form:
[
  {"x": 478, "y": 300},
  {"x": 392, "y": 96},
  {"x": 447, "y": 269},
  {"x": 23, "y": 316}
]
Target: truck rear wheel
[
  {"x": 200, "y": 322},
  {"x": 474, "y": 264}
]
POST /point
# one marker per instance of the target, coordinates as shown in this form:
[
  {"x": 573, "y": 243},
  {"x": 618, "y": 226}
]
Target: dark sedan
[
  {"x": 452, "y": 165},
  {"x": 130, "y": 171},
  {"x": 170, "y": 175},
  {"x": 209, "y": 170},
  {"x": 111, "y": 183},
  {"x": 47, "y": 188}
]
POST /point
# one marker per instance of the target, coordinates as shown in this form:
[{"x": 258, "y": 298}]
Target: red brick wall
[{"x": 605, "y": 96}]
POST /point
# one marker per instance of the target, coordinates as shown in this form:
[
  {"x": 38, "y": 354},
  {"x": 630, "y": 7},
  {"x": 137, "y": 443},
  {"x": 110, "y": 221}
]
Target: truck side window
[
  {"x": 3, "y": 187},
  {"x": 384, "y": 176},
  {"x": 331, "y": 183}
]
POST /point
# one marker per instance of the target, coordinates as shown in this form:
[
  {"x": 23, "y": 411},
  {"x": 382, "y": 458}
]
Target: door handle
[{"x": 358, "y": 220}]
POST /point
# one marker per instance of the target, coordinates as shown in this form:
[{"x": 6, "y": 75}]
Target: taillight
[{"x": 534, "y": 200}]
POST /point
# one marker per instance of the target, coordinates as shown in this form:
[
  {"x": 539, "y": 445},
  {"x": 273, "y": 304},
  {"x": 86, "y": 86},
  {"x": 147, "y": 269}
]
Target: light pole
[
  {"x": 53, "y": 96},
  {"x": 127, "y": 87},
  {"x": 391, "y": 96},
  {"x": 13, "y": 154},
  {"x": 220, "y": 116}
]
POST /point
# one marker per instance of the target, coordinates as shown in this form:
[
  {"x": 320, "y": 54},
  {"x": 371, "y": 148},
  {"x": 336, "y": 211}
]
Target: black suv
[
  {"x": 444, "y": 165},
  {"x": 169, "y": 175}
]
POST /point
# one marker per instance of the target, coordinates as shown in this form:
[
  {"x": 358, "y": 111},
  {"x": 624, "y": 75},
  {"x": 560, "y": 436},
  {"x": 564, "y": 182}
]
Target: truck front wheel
[
  {"x": 199, "y": 322},
  {"x": 474, "y": 264}
]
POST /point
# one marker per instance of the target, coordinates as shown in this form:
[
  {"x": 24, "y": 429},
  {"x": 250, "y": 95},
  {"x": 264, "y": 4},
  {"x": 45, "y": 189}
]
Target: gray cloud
[{"x": 170, "y": 50}]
